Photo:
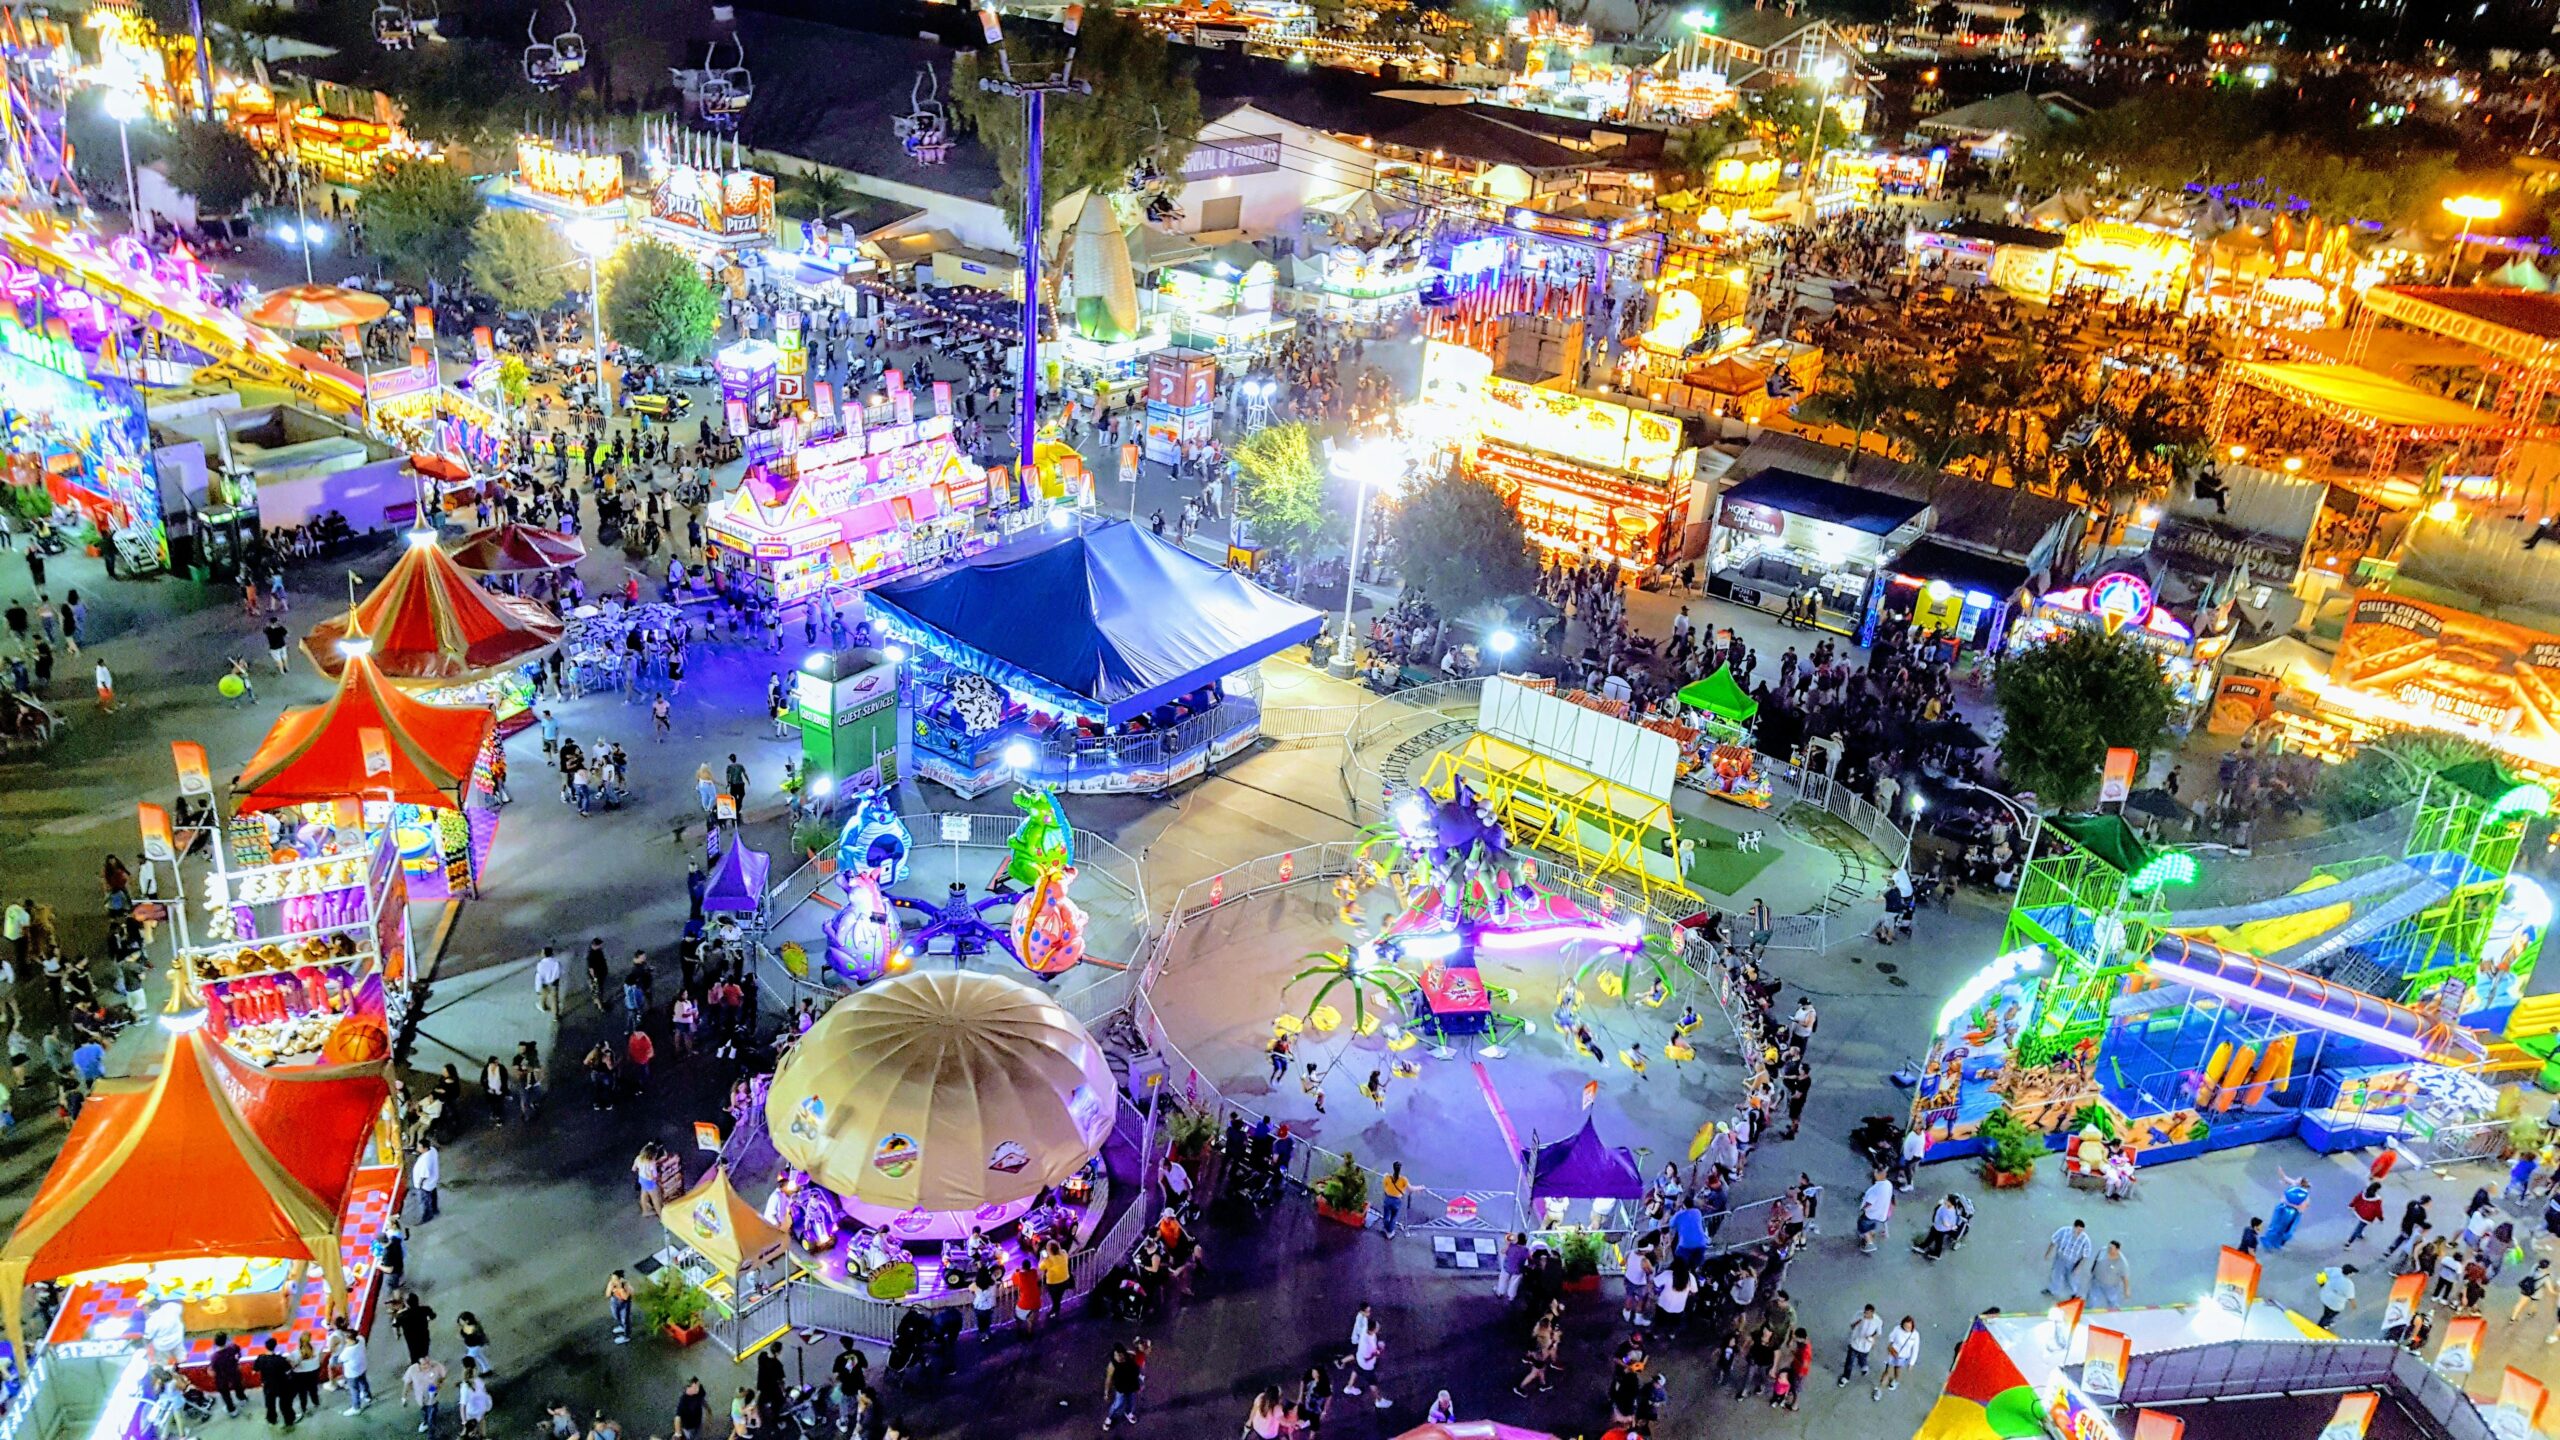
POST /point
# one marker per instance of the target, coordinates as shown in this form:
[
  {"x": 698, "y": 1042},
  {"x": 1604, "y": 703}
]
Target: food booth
[
  {"x": 1587, "y": 476},
  {"x": 721, "y": 1245},
  {"x": 567, "y": 178},
  {"x": 1781, "y": 537},
  {"x": 891, "y": 495},
  {"x": 1960, "y": 597}
]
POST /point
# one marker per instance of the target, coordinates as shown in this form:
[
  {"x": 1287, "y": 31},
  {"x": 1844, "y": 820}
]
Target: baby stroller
[
  {"x": 1120, "y": 1295},
  {"x": 908, "y": 1343}
]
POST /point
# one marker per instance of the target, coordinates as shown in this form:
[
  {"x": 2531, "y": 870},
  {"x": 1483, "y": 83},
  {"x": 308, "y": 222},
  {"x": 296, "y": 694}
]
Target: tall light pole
[
  {"x": 2470, "y": 210},
  {"x": 1825, "y": 75},
  {"x": 594, "y": 238},
  {"x": 302, "y": 221},
  {"x": 1035, "y": 112},
  {"x": 124, "y": 107},
  {"x": 1358, "y": 467}
]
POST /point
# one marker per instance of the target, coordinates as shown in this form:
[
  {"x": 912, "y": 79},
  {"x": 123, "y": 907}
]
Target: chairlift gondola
[
  {"x": 570, "y": 46},
  {"x": 393, "y": 27},
  {"x": 925, "y": 130},
  {"x": 726, "y": 93},
  {"x": 541, "y": 61}
]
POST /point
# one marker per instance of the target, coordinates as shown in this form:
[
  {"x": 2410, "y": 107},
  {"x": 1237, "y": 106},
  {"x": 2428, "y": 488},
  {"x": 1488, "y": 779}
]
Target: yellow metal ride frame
[{"x": 1609, "y": 829}]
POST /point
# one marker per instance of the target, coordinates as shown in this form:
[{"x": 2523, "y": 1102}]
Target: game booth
[
  {"x": 86, "y": 441},
  {"x": 209, "y": 1195},
  {"x": 431, "y": 628},
  {"x": 418, "y": 777},
  {"x": 721, "y": 1244},
  {"x": 889, "y": 496},
  {"x": 2122, "y": 603},
  {"x": 2318, "y": 1000},
  {"x": 1139, "y": 676},
  {"x": 934, "y": 1123}
]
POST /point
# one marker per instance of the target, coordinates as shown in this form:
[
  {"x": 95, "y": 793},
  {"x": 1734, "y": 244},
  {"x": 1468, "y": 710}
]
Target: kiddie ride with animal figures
[
  {"x": 1460, "y": 892},
  {"x": 2373, "y": 1002},
  {"x": 1044, "y": 932}
]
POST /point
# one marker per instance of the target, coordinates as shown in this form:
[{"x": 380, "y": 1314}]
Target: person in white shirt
[
  {"x": 1875, "y": 1207},
  {"x": 351, "y": 1369},
  {"x": 1901, "y": 1352},
  {"x": 1862, "y": 1342},
  {"x": 546, "y": 982},
  {"x": 426, "y": 1173}
]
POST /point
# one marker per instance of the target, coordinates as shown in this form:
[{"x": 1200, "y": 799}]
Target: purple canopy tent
[
  {"x": 1583, "y": 1168},
  {"x": 736, "y": 885}
]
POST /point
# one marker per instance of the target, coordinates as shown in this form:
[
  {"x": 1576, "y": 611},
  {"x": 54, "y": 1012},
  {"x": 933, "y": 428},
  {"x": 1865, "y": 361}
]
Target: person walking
[
  {"x": 2367, "y": 1208},
  {"x": 423, "y": 1383},
  {"x": 2532, "y": 1288},
  {"x": 225, "y": 1364},
  {"x": 2110, "y": 1278},
  {"x": 106, "y": 680},
  {"x": 1875, "y": 1208},
  {"x": 1901, "y": 1352},
  {"x": 617, "y": 1298},
  {"x": 2337, "y": 1293},
  {"x": 475, "y": 1343},
  {"x": 472, "y": 1401},
  {"x": 2069, "y": 1247},
  {"x": 1364, "y": 1359},
  {"x": 546, "y": 982},
  {"x": 426, "y": 1176},
  {"x": 1057, "y": 1267},
  {"x": 275, "y": 1381},
  {"x": 1863, "y": 1334},
  {"x": 1122, "y": 1378},
  {"x": 353, "y": 1360},
  {"x": 1394, "y": 1189}
]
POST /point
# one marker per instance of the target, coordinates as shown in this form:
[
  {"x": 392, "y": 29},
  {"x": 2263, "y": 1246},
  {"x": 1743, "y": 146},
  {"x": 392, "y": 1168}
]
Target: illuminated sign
[
  {"x": 737, "y": 205},
  {"x": 1595, "y": 432},
  {"x": 580, "y": 179},
  {"x": 2119, "y": 600},
  {"x": 2470, "y": 672},
  {"x": 50, "y": 351},
  {"x": 1475, "y": 257}
]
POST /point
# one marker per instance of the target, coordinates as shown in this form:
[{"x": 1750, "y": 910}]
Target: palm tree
[{"x": 818, "y": 191}]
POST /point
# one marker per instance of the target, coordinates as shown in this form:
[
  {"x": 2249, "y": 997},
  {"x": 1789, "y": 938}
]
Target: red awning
[
  {"x": 369, "y": 741},
  {"x": 432, "y": 623}
]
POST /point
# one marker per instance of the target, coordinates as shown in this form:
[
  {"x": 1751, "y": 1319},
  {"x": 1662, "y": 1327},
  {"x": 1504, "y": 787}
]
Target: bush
[
  {"x": 2014, "y": 1148},
  {"x": 672, "y": 1300},
  {"x": 1581, "y": 1251},
  {"x": 1346, "y": 1189},
  {"x": 1188, "y": 1132}
]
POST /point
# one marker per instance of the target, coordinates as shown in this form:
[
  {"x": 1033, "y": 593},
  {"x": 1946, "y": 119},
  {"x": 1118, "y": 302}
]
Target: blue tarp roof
[
  {"x": 1110, "y": 620},
  {"x": 1815, "y": 498}
]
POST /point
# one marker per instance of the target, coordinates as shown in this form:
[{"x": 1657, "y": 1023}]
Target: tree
[
  {"x": 815, "y": 193},
  {"x": 2071, "y": 699},
  {"x": 1143, "y": 107},
  {"x": 1460, "y": 545},
  {"x": 418, "y": 216},
  {"x": 1944, "y": 17},
  {"x": 521, "y": 261},
  {"x": 1857, "y": 396},
  {"x": 215, "y": 166},
  {"x": 1280, "y": 490},
  {"x": 514, "y": 379},
  {"x": 2389, "y": 771},
  {"x": 460, "y": 92},
  {"x": 2031, "y": 26},
  {"x": 656, "y": 302}
]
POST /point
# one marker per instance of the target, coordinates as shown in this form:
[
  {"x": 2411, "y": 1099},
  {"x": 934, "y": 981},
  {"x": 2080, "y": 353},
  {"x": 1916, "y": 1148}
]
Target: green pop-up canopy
[{"x": 1721, "y": 694}]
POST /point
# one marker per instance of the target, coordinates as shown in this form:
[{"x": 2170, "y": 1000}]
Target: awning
[
  {"x": 737, "y": 881},
  {"x": 1584, "y": 1168},
  {"x": 1930, "y": 559},
  {"x": 720, "y": 1226},
  {"x": 431, "y": 623},
  {"x": 2362, "y": 397},
  {"x": 212, "y": 1158},
  {"x": 1110, "y": 621},
  {"x": 369, "y": 741},
  {"x": 1721, "y": 694},
  {"x": 1815, "y": 498}
]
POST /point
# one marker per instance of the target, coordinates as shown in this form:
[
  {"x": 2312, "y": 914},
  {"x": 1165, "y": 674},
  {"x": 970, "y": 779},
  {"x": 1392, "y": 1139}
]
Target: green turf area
[{"x": 1715, "y": 865}]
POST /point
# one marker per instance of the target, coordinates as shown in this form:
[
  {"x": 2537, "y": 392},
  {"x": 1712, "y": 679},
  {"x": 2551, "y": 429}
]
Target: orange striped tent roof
[
  {"x": 213, "y": 1157},
  {"x": 430, "y": 622},
  {"x": 367, "y": 741}
]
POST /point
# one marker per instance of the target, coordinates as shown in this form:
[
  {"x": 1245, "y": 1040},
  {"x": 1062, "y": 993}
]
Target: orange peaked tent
[
  {"x": 368, "y": 741},
  {"x": 212, "y": 1157},
  {"x": 431, "y": 623}
]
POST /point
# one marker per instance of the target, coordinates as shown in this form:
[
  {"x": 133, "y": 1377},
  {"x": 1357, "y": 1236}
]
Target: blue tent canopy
[{"x": 1109, "y": 621}]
